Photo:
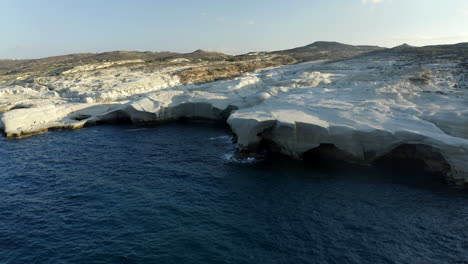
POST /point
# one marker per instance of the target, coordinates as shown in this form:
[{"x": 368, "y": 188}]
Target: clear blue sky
[{"x": 39, "y": 28}]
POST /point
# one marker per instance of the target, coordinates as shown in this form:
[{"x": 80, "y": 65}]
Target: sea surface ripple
[{"x": 176, "y": 194}]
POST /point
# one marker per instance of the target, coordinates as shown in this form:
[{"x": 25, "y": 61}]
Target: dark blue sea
[{"x": 177, "y": 194}]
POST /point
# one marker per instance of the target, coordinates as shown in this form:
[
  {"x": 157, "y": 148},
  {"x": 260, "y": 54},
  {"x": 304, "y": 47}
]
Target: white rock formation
[
  {"x": 97, "y": 66},
  {"x": 366, "y": 107}
]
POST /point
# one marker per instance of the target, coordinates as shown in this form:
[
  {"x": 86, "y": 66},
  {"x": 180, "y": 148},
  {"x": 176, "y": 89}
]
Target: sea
[{"x": 178, "y": 193}]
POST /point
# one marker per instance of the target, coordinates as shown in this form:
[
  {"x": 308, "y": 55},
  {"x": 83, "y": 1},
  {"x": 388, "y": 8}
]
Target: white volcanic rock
[
  {"x": 366, "y": 107},
  {"x": 92, "y": 67},
  {"x": 365, "y": 113},
  {"x": 20, "y": 122}
]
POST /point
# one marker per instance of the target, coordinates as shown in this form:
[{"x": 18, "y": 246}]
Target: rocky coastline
[{"x": 359, "y": 103}]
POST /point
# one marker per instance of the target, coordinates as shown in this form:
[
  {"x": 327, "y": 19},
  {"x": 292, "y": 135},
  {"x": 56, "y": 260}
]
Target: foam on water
[{"x": 233, "y": 155}]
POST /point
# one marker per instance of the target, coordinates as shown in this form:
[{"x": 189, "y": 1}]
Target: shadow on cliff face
[
  {"x": 127, "y": 114},
  {"x": 414, "y": 166}
]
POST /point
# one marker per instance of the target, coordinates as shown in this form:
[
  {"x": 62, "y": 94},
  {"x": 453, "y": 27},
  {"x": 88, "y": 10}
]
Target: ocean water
[{"x": 177, "y": 194}]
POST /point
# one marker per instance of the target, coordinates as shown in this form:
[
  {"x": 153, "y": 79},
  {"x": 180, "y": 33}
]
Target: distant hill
[
  {"x": 131, "y": 55},
  {"x": 320, "y": 50},
  {"x": 325, "y": 50},
  {"x": 72, "y": 60},
  {"x": 204, "y": 55},
  {"x": 402, "y": 47},
  {"x": 64, "y": 61},
  {"x": 459, "y": 50}
]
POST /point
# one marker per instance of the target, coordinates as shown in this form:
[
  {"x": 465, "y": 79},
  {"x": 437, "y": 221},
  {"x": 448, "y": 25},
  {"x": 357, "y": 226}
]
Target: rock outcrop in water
[{"x": 365, "y": 102}]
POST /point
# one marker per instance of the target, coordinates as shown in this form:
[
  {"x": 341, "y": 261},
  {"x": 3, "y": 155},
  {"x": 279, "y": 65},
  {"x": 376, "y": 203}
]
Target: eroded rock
[{"x": 359, "y": 109}]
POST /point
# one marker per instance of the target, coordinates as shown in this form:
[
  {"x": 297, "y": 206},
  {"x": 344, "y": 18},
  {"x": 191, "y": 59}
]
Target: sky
[{"x": 41, "y": 28}]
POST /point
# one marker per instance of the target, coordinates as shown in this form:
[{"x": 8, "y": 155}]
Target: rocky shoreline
[{"x": 405, "y": 102}]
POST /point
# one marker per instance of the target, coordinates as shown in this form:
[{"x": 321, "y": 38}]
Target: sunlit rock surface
[{"x": 367, "y": 107}]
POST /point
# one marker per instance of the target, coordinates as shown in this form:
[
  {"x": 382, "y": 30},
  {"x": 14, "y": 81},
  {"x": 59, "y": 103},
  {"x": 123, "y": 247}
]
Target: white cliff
[{"x": 366, "y": 107}]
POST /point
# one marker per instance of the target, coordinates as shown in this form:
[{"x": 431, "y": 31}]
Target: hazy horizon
[{"x": 36, "y": 29}]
